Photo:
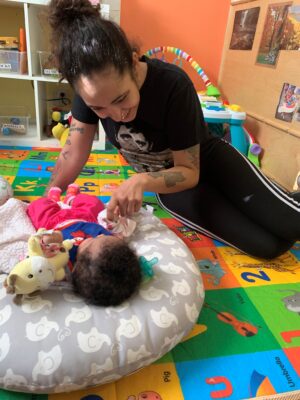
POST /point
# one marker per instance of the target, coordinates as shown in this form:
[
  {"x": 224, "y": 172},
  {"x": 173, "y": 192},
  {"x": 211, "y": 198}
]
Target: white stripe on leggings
[{"x": 279, "y": 193}]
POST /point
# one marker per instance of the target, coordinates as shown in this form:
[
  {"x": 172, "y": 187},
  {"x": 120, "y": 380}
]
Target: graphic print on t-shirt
[{"x": 135, "y": 148}]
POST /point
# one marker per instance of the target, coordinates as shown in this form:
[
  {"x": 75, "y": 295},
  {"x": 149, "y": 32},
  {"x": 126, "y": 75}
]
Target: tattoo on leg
[{"x": 170, "y": 178}]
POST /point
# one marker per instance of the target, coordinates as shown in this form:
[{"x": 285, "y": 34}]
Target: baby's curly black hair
[{"x": 110, "y": 278}]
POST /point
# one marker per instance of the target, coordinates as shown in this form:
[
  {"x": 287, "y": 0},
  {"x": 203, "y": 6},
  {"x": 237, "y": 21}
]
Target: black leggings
[{"x": 236, "y": 204}]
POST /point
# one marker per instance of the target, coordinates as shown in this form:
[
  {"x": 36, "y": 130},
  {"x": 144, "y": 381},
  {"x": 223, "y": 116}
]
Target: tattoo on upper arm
[
  {"x": 193, "y": 154},
  {"x": 170, "y": 178}
]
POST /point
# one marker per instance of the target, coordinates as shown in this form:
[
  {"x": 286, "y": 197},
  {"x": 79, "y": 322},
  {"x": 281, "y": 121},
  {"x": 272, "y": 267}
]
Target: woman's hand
[{"x": 127, "y": 199}]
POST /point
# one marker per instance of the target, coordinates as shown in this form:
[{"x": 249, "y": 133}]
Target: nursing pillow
[{"x": 55, "y": 342}]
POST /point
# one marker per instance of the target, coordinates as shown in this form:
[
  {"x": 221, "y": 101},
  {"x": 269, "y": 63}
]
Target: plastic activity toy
[
  {"x": 211, "y": 90},
  {"x": 254, "y": 149},
  {"x": 214, "y": 110}
]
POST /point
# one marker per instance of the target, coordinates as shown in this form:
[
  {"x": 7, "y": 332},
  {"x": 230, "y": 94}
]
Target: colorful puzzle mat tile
[{"x": 246, "y": 342}]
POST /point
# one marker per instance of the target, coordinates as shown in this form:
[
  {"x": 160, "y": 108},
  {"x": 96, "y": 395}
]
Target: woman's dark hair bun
[{"x": 66, "y": 11}]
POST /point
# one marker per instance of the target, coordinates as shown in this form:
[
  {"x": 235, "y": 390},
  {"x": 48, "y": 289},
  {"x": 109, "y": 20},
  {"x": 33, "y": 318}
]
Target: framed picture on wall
[
  {"x": 289, "y": 103},
  {"x": 291, "y": 34},
  {"x": 272, "y": 34},
  {"x": 244, "y": 28}
]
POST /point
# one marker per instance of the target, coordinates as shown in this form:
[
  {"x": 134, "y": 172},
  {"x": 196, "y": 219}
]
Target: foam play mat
[{"x": 246, "y": 342}]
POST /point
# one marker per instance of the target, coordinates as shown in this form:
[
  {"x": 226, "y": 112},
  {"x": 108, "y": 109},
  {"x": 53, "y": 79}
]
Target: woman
[{"x": 151, "y": 113}]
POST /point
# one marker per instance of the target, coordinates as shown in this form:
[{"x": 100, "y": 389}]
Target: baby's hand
[
  {"x": 54, "y": 237},
  {"x": 51, "y": 243}
]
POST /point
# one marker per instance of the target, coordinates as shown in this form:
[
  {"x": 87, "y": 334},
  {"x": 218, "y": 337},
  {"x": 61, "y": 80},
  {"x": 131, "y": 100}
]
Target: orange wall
[{"x": 196, "y": 26}]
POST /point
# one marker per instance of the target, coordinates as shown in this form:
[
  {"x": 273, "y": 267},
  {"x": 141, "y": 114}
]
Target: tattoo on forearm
[
  {"x": 53, "y": 175},
  {"x": 50, "y": 182},
  {"x": 193, "y": 155},
  {"x": 65, "y": 154},
  {"x": 74, "y": 128},
  {"x": 170, "y": 178}
]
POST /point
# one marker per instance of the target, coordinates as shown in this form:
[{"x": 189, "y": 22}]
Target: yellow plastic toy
[
  {"x": 37, "y": 272},
  {"x": 61, "y": 133}
]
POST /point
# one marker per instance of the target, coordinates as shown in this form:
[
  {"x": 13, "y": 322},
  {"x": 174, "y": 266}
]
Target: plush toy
[
  {"x": 6, "y": 191},
  {"x": 61, "y": 133},
  {"x": 61, "y": 130},
  {"x": 37, "y": 272}
]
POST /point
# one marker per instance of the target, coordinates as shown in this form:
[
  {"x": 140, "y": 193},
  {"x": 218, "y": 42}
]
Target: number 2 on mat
[{"x": 261, "y": 275}]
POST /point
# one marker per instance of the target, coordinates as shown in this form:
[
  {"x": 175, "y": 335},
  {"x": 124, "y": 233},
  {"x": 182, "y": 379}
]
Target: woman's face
[{"x": 110, "y": 95}]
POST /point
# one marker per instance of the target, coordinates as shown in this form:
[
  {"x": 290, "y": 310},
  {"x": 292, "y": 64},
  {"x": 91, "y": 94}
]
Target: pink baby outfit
[{"x": 45, "y": 213}]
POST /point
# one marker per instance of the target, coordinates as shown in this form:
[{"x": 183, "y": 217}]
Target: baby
[{"x": 105, "y": 270}]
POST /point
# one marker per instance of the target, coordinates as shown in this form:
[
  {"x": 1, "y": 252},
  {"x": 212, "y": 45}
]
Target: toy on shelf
[
  {"x": 9, "y": 43},
  {"x": 211, "y": 90},
  {"x": 61, "y": 130},
  {"x": 37, "y": 272},
  {"x": 13, "y": 54},
  {"x": 13, "y": 126}
]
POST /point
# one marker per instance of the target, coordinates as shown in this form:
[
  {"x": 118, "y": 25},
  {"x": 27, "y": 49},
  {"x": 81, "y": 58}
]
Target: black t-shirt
[{"x": 169, "y": 117}]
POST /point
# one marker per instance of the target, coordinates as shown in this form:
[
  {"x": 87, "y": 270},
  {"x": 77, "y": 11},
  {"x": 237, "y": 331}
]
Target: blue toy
[{"x": 215, "y": 112}]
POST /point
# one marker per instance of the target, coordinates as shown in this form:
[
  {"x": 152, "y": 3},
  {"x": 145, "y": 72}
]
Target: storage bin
[
  {"x": 47, "y": 64},
  {"x": 14, "y": 121},
  {"x": 13, "y": 62}
]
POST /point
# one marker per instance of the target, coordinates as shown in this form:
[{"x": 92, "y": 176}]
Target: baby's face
[{"x": 93, "y": 245}]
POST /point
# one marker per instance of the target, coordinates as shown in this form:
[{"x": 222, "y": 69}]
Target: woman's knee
[{"x": 270, "y": 249}]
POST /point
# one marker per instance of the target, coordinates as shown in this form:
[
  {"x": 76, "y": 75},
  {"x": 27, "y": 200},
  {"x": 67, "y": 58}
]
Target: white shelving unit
[{"x": 32, "y": 89}]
